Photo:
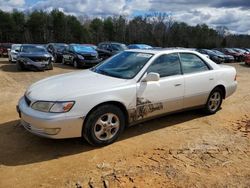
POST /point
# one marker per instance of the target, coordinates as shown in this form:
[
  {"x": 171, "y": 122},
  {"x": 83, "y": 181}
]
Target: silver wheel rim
[
  {"x": 214, "y": 101},
  {"x": 75, "y": 64},
  {"x": 106, "y": 127}
]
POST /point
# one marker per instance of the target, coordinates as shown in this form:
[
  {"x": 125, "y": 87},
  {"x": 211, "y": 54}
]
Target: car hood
[
  {"x": 22, "y": 54},
  {"x": 71, "y": 85}
]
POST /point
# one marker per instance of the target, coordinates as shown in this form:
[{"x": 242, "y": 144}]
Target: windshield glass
[
  {"x": 119, "y": 47},
  {"x": 81, "y": 48},
  {"x": 210, "y": 52},
  {"x": 15, "y": 47},
  {"x": 31, "y": 49},
  {"x": 218, "y": 52},
  {"x": 125, "y": 65},
  {"x": 230, "y": 50},
  {"x": 60, "y": 46}
]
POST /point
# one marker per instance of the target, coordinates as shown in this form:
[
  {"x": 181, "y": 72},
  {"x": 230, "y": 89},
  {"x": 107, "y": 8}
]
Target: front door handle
[
  {"x": 211, "y": 78},
  {"x": 176, "y": 85}
]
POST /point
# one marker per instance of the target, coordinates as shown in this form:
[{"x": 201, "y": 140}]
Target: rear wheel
[
  {"x": 63, "y": 61},
  {"x": 75, "y": 64},
  {"x": 20, "y": 66},
  {"x": 214, "y": 101},
  {"x": 104, "y": 125},
  {"x": 50, "y": 66}
]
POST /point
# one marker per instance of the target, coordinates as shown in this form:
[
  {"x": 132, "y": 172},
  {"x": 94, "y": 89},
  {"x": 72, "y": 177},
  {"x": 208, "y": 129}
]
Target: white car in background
[
  {"x": 13, "y": 52},
  {"x": 130, "y": 87}
]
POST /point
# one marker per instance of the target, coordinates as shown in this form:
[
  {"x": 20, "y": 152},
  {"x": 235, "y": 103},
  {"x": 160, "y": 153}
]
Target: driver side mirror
[{"x": 151, "y": 77}]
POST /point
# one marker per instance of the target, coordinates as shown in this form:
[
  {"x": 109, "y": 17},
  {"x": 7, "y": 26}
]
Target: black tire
[
  {"x": 50, "y": 66},
  {"x": 75, "y": 63},
  {"x": 212, "y": 107},
  {"x": 19, "y": 66},
  {"x": 90, "y": 125},
  {"x": 63, "y": 61}
]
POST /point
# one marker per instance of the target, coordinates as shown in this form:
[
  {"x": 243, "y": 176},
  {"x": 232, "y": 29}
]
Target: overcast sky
[{"x": 234, "y": 14}]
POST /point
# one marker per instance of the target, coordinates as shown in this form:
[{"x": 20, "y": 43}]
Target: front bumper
[
  {"x": 28, "y": 63},
  {"x": 89, "y": 63},
  {"x": 50, "y": 125}
]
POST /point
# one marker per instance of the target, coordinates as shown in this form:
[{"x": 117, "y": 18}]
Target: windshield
[
  {"x": 210, "y": 52},
  {"x": 125, "y": 65},
  {"x": 230, "y": 50},
  {"x": 15, "y": 47},
  {"x": 218, "y": 52},
  {"x": 81, "y": 48},
  {"x": 119, "y": 47},
  {"x": 239, "y": 50},
  {"x": 32, "y": 49},
  {"x": 60, "y": 46}
]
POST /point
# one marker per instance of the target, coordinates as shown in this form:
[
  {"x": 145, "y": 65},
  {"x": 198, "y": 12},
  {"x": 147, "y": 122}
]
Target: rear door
[
  {"x": 165, "y": 95},
  {"x": 198, "y": 78},
  {"x": 66, "y": 55}
]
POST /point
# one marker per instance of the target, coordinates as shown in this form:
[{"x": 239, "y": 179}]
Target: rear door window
[{"x": 191, "y": 63}]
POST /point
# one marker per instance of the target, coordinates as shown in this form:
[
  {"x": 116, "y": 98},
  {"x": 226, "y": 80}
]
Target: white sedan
[
  {"x": 13, "y": 52},
  {"x": 130, "y": 87}
]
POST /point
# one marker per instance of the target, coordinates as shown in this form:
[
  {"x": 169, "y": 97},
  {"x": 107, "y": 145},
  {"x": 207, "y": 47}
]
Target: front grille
[
  {"x": 90, "y": 57},
  {"x": 27, "y": 100},
  {"x": 40, "y": 59}
]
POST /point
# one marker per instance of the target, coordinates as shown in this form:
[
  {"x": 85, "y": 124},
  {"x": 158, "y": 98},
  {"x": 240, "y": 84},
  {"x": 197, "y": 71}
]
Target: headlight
[
  {"x": 57, "y": 107},
  {"x": 80, "y": 56}
]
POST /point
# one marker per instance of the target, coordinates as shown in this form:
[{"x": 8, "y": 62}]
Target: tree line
[{"x": 156, "y": 29}]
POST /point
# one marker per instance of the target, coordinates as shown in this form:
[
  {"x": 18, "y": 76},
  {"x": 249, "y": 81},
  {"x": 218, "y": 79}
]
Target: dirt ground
[{"x": 182, "y": 150}]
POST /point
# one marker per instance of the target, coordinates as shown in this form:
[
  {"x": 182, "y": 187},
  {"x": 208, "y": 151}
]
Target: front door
[{"x": 163, "y": 96}]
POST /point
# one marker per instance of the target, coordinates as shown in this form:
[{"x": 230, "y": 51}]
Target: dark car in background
[
  {"x": 56, "y": 49},
  {"x": 245, "y": 56},
  {"x": 228, "y": 51},
  {"x": 80, "y": 55},
  {"x": 108, "y": 49},
  {"x": 139, "y": 46},
  {"x": 4, "y": 47},
  {"x": 212, "y": 55},
  {"x": 228, "y": 58},
  {"x": 34, "y": 57}
]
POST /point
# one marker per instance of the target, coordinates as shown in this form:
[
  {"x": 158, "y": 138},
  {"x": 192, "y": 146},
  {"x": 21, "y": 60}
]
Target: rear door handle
[
  {"x": 211, "y": 78},
  {"x": 176, "y": 85}
]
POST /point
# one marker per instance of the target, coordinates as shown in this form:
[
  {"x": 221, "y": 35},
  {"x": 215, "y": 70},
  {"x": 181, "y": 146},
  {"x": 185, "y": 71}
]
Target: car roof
[
  {"x": 110, "y": 42},
  {"x": 163, "y": 50}
]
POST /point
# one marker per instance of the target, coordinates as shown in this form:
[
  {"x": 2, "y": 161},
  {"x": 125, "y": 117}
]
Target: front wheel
[
  {"x": 214, "y": 101},
  {"x": 104, "y": 125},
  {"x": 50, "y": 66},
  {"x": 20, "y": 66},
  {"x": 75, "y": 64}
]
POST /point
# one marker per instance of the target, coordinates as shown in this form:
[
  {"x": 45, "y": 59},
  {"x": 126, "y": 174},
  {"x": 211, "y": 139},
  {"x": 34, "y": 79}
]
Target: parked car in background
[
  {"x": 34, "y": 57},
  {"x": 80, "y": 55},
  {"x": 139, "y": 46},
  {"x": 247, "y": 60},
  {"x": 130, "y": 87},
  {"x": 228, "y": 51},
  {"x": 245, "y": 56},
  {"x": 243, "y": 51},
  {"x": 212, "y": 55},
  {"x": 13, "y": 52},
  {"x": 56, "y": 49},
  {"x": 4, "y": 47},
  {"x": 228, "y": 58},
  {"x": 108, "y": 49},
  {"x": 91, "y": 45}
]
